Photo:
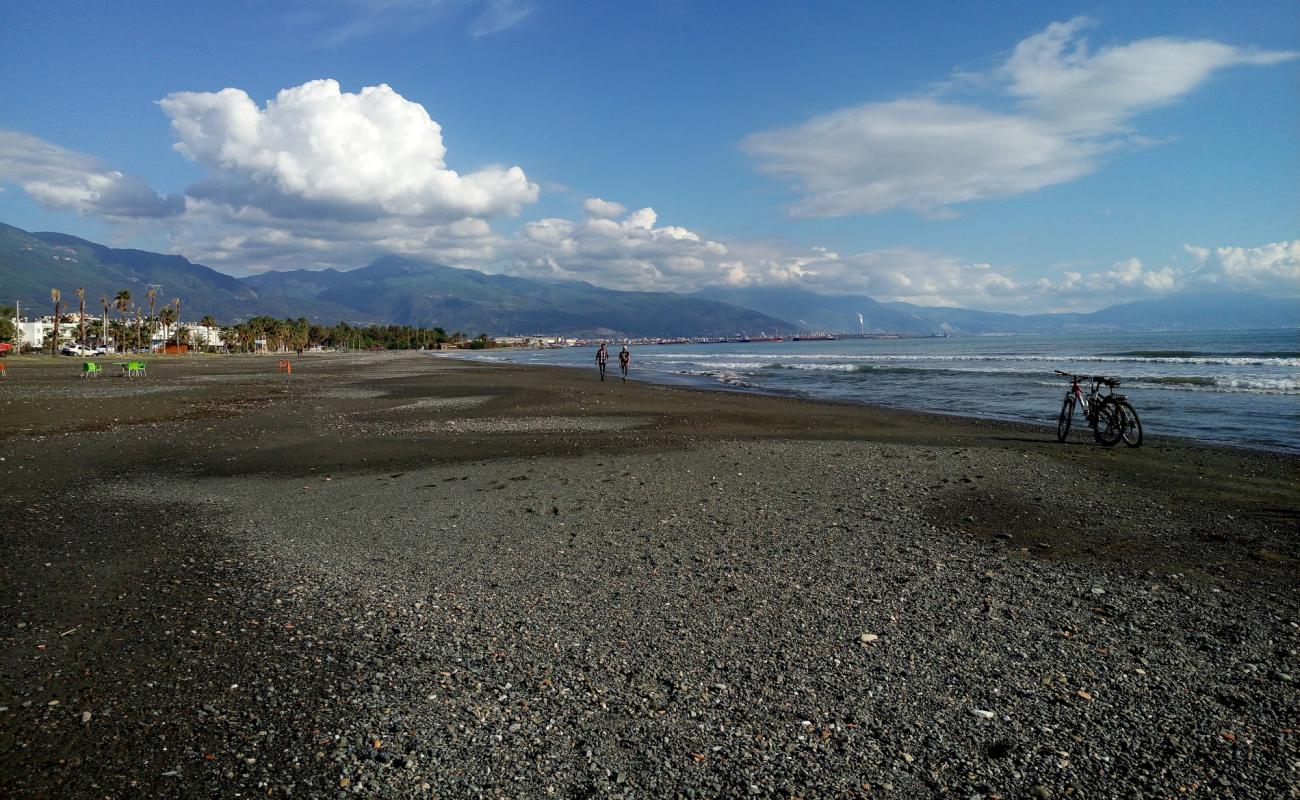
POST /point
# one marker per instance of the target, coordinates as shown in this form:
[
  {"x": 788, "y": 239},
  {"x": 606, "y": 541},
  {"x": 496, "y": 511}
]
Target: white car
[{"x": 74, "y": 349}]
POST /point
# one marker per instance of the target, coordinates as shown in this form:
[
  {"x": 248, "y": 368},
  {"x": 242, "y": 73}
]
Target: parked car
[
  {"x": 74, "y": 349},
  {"x": 5, "y": 347}
]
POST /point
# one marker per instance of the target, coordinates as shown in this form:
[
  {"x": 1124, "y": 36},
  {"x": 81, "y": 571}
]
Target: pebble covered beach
[{"x": 399, "y": 575}]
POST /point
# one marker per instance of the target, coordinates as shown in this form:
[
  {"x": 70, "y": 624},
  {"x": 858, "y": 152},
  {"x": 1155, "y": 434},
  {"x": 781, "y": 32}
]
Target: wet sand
[{"x": 521, "y": 581}]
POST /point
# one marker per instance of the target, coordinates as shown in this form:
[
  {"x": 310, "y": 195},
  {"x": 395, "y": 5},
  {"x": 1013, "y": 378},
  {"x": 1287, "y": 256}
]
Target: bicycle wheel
[
  {"x": 1110, "y": 426},
  {"x": 1063, "y": 421},
  {"x": 1132, "y": 426}
]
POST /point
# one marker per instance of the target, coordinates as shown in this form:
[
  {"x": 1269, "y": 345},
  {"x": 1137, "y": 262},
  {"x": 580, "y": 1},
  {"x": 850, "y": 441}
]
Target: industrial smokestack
[{"x": 862, "y": 326}]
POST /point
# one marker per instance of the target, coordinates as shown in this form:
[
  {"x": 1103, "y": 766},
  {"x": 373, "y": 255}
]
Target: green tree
[
  {"x": 56, "y": 296},
  {"x": 152, "y": 294},
  {"x": 103, "y": 300},
  {"x": 95, "y": 330},
  {"x": 8, "y": 331},
  {"x": 165, "y": 318},
  {"x": 120, "y": 331},
  {"x": 81, "y": 297},
  {"x": 208, "y": 324},
  {"x": 176, "y": 301},
  {"x": 122, "y": 301}
]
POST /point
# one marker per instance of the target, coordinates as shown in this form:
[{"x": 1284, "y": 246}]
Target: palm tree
[
  {"x": 81, "y": 296},
  {"x": 120, "y": 333},
  {"x": 103, "y": 299},
  {"x": 166, "y": 317},
  {"x": 152, "y": 294},
  {"x": 56, "y": 296},
  {"x": 139, "y": 320},
  {"x": 208, "y": 324},
  {"x": 122, "y": 301},
  {"x": 176, "y": 301}
]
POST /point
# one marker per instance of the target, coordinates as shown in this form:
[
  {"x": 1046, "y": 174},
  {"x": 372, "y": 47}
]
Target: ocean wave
[
  {"x": 1202, "y": 383},
  {"x": 1283, "y": 354},
  {"x": 1272, "y": 359},
  {"x": 728, "y": 377},
  {"x": 1176, "y": 380}
]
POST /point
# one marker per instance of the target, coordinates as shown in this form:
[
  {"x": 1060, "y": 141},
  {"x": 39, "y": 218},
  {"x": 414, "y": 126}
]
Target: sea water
[{"x": 1231, "y": 387}]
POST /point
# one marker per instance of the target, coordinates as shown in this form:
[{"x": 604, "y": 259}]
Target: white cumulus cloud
[
  {"x": 372, "y": 153},
  {"x": 1068, "y": 107},
  {"x": 615, "y": 248},
  {"x": 1270, "y": 267},
  {"x": 603, "y": 208}
]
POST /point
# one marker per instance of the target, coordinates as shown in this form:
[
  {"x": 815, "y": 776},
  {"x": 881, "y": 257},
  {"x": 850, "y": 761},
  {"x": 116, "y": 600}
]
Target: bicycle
[{"x": 1111, "y": 416}]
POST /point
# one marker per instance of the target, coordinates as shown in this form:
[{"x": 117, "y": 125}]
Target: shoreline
[
  {"x": 706, "y": 384},
  {"x": 398, "y": 576}
]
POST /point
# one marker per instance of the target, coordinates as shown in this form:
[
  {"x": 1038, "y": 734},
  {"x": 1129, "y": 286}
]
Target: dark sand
[{"x": 404, "y": 575}]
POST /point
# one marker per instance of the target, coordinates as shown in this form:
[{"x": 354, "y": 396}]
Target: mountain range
[
  {"x": 399, "y": 290},
  {"x": 1191, "y": 310},
  {"x": 389, "y": 290}
]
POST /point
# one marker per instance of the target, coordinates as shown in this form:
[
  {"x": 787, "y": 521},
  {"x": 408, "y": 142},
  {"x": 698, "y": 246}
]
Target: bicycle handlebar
[{"x": 1104, "y": 380}]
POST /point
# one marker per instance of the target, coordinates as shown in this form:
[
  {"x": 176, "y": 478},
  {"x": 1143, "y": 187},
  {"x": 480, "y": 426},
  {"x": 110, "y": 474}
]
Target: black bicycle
[{"x": 1111, "y": 416}]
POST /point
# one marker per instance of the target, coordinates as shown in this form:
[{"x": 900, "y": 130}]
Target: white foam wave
[
  {"x": 1274, "y": 386},
  {"x": 1227, "y": 361}
]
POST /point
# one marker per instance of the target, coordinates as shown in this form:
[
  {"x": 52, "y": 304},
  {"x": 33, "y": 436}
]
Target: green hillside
[
  {"x": 391, "y": 290},
  {"x": 33, "y": 263},
  {"x": 417, "y": 293}
]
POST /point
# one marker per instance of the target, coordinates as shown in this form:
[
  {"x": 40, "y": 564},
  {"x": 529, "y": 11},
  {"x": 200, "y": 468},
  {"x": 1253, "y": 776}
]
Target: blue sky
[{"x": 1011, "y": 156}]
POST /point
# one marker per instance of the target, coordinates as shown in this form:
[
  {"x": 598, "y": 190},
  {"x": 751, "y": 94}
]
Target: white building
[
  {"x": 203, "y": 336},
  {"x": 538, "y": 340},
  {"x": 35, "y": 333}
]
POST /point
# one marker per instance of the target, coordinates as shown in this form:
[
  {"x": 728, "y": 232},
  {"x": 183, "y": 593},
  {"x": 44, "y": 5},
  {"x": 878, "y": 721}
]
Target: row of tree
[
  {"x": 291, "y": 334},
  {"x": 133, "y": 328}
]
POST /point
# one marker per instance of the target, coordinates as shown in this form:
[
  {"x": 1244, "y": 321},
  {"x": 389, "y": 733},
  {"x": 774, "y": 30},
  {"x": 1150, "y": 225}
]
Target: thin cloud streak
[{"x": 341, "y": 22}]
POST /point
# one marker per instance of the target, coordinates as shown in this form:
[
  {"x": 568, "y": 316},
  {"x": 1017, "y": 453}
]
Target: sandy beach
[{"x": 404, "y": 575}]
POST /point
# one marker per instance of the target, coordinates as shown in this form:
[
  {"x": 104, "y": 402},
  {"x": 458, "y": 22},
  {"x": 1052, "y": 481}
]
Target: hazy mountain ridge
[
  {"x": 399, "y": 290},
  {"x": 1192, "y": 310},
  {"x": 390, "y": 290}
]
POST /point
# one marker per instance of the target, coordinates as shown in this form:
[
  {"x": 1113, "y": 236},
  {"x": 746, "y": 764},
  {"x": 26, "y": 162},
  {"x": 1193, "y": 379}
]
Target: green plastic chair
[{"x": 90, "y": 369}]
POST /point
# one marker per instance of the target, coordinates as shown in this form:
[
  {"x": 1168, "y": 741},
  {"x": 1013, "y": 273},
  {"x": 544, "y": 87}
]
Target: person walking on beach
[
  {"x": 602, "y": 358},
  {"x": 624, "y": 359}
]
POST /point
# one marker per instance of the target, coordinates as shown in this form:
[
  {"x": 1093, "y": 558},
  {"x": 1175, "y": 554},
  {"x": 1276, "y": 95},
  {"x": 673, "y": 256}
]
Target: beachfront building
[
  {"x": 538, "y": 340},
  {"x": 35, "y": 333},
  {"x": 204, "y": 337}
]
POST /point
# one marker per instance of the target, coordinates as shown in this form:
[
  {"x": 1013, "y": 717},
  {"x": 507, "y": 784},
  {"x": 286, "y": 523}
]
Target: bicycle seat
[{"x": 1109, "y": 383}]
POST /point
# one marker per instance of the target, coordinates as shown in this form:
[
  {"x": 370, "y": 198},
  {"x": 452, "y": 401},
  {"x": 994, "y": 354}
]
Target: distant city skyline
[{"x": 1008, "y": 157}]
